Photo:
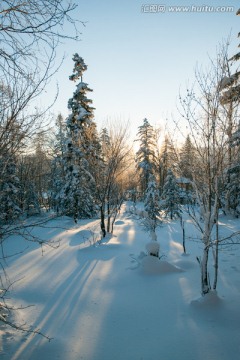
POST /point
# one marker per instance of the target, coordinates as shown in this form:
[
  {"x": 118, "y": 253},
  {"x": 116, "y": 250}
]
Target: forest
[{"x": 101, "y": 233}]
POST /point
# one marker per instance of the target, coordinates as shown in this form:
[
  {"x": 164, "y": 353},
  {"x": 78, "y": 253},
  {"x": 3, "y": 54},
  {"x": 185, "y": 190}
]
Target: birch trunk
[{"x": 204, "y": 272}]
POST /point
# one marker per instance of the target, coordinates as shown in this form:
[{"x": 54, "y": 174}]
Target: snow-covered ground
[{"x": 101, "y": 303}]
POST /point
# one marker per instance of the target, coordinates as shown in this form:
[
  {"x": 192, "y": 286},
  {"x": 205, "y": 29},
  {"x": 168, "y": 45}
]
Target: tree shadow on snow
[
  {"x": 62, "y": 309},
  {"x": 80, "y": 237},
  {"x": 119, "y": 222},
  {"x": 103, "y": 252}
]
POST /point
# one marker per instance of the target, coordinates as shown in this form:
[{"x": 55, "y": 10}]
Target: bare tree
[
  {"x": 30, "y": 32},
  {"x": 203, "y": 112},
  {"x": 109, "y": 181}
]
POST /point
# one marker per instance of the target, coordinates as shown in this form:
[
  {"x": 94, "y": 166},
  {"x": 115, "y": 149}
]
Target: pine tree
[
  {"x": 187, "y": 158},
  {"x": 145, "y": 156},
  {"x": 229, "y": 88},
  {"x": 77, "y": 198},
  {"x": 230, "y": 83},
  {"x": 42, "y": 167},
  {"x": 28, "y": 195},
  {"x": 80, "y": 106},
  {"x": 9, "y": 191},
  {"x": 60, "y": 137},
  {"x": 168, "y": 160},
  {"x": 152, "y": 207},
  {"x": 171, "y": 196},
  {"x": 105, "y": 142},
  {"x": 233, "y": 172},
  {"x": 93, "y": 150}
]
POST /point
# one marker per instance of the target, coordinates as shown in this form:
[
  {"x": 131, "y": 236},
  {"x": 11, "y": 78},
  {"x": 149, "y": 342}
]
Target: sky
[{"x": 138, "y": 60}]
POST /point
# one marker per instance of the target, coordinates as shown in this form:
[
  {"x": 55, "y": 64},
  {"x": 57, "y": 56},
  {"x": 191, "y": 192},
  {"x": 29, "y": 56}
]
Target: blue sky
[{"x": 137, "y": 61}]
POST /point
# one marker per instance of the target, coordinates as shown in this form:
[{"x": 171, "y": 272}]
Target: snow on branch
[{"x": 232, "y": 94}]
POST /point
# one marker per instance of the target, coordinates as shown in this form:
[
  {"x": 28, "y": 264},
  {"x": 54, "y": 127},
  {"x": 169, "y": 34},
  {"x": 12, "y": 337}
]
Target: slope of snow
[{"x": 98, "y": 303}]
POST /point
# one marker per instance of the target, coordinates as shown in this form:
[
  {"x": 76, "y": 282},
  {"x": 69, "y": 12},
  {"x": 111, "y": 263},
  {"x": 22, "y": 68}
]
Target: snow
[
  {"x": 81, "y": 86},
  {"x": 112, "y": 301},
  {"x": 153, "y": 265},
  {"x": 226, "y": 81},
  {"x": 153, "y": 247},
  {"x": 211, "y": 300}
]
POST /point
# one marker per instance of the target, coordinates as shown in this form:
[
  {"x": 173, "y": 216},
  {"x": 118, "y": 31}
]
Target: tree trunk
[
  {"x": 183, "y": 235},
  {"x": 204, "y": 272},
  {"x": 108, "y": 217},
  {"x": 102, "y": 224},
  {"x": 171, "y": 211},
  {"x": 216, "y": 257}
]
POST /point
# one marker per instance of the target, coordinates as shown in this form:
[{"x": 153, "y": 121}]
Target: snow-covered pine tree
[
  {"x": 187, "y": 158},
  {"x": 230, "y": 82},
  {"x": 28, "y": 195},
  {"x": 105, "y": 142},
  {"x": 80, "y": 106},
  {"x": 31, "y": 205},
  {"x": 60, "y": 137},
  {"x": 234, "y": 175},
  {"x": 168, "y": 160},
  {"x": 145, "y": 156},
  {"x": 171, "y": 196},
  {"x": 152, "y": 209},
  {"x": 76, "y": 197},
  {"x": 93, "y": 150},
  {"x": 229, "y": 88},
  {"x": 42, "y": 167},
  {"x": 9, "y": 189}
]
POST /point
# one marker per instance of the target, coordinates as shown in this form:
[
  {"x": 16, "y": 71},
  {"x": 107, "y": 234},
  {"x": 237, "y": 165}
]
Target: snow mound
[
  {"x": 80, "y": 237},
  {"x": 185, "y": 264},
  {"x": 153, "y": 265},
  {"x": 210, "y": 300}
]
